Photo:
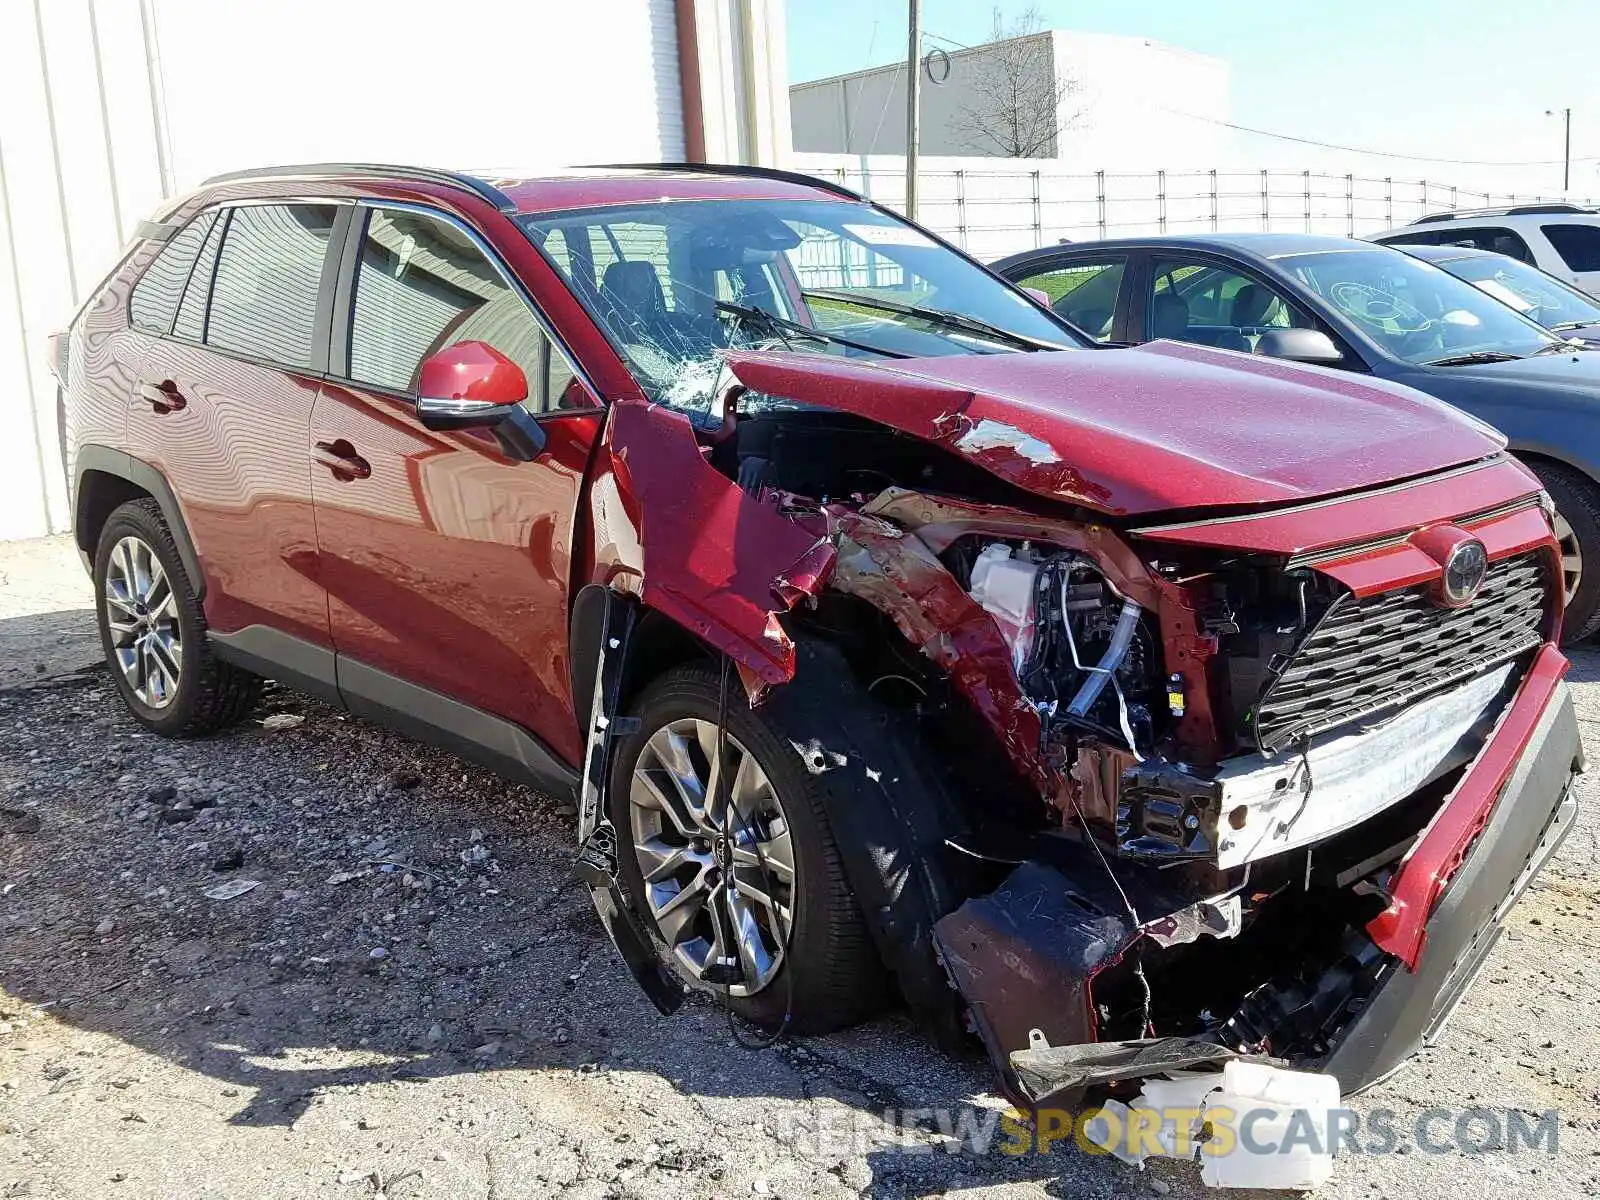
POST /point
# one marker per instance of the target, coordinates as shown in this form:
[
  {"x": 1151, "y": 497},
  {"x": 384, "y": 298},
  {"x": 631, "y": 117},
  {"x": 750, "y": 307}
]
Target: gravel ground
[{"x": 409, "y": 996}]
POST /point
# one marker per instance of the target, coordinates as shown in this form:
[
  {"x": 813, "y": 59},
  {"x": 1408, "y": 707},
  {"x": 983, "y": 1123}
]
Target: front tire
[
  {"x": 1577, "y": 522},
  {"x": 154, "y": 633},
  {"x": 799, "y": 939}
]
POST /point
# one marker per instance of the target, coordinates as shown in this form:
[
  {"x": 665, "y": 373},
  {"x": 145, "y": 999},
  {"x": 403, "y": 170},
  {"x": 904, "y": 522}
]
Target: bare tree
[{"x": 1016, "y": 104}]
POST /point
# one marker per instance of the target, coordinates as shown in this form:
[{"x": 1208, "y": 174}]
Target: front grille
[{"x": 1369, "y": 655}]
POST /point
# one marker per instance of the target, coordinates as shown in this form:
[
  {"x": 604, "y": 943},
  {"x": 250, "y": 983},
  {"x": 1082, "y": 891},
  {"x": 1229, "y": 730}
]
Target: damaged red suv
[{"x": 1124, "y": 707}]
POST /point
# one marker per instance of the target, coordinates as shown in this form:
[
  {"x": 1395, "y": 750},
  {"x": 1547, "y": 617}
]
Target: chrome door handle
[
  {"x": 163, "y": 397},
  {"x": 340, "y": 457}
]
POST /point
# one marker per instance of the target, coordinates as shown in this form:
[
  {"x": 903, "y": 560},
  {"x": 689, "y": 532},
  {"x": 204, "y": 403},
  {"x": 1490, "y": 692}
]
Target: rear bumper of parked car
[{"x": 1505, "y": 819}]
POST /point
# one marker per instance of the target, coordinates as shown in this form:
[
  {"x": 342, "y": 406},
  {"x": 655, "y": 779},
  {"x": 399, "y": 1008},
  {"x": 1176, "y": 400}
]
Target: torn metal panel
[
  {"x": 938, "y": 521},
  {"x": 710, "y": 556},
  {"x": 897, "y": 574}
]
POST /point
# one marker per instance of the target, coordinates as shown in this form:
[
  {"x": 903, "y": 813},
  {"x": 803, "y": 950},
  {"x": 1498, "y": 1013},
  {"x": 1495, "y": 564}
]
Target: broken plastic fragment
[{"x": 1289, "y": 1115}]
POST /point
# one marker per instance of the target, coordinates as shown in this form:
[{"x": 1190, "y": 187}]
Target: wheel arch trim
[{"x": 121, "y": 465}]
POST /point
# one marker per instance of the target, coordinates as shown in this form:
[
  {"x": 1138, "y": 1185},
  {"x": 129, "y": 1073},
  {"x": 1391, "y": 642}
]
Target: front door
[
  {"x": 222, "y": 407},
  {"x": 447, "y": 562}
]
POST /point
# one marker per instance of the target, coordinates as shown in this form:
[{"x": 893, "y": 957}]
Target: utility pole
[
  {"x": 913, "y": 105},
  {"x": 1566, "y": 154}
]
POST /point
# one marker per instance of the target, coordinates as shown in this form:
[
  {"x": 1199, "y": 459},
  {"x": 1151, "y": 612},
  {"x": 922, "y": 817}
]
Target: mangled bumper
[
  {"x": 1538, "y": 748},
  {"x": 1027, "y": 955}
]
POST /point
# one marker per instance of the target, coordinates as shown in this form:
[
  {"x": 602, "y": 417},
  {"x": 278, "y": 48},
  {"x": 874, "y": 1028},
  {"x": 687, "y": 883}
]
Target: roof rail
[
  {"x": 1515, "y": 210},
  {"x": 454, "y": 179},
  {"x": 796, "y": 177}
]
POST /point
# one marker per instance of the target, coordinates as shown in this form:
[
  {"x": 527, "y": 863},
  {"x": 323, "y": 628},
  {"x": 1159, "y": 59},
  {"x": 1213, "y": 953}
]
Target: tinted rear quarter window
[
  {"x": 155, "y": 297},
  {"x": 1578, "y": 245},
  {"x": 191, "y": 322},
  {"x": 264, "y": 299}
]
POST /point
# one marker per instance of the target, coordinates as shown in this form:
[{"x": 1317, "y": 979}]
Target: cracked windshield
[{"x": 672, "y": 284}]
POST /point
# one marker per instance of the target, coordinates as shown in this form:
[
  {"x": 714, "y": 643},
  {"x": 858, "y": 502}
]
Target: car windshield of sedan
[
  {"x": 1414, "y": 310},
  {"x": 1535, "y": 295},
  {"x": 675, "y": 282}
]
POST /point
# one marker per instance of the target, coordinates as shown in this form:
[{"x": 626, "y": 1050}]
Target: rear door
[
  {"x": 447, "y": 562},
  {"x": 222, "y": 407}
]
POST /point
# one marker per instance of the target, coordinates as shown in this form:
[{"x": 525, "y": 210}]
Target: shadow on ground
[{"x": 412, "y": 924}]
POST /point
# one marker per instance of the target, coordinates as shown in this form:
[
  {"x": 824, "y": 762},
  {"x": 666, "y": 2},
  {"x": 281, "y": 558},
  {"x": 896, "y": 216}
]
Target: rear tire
[
  {"x": 1577, "y": 501},
  {"x": 153, "y": 631}
]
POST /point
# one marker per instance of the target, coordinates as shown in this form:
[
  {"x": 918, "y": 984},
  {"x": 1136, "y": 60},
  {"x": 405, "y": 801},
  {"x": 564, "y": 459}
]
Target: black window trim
[
  {"x": 341, "y": 313},
  {"x": 165, "y": 243}
]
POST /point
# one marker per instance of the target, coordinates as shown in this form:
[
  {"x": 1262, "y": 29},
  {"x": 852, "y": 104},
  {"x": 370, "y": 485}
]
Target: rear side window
[
  {"x": 1085, "y": 293},
  {"x": 1495, "y": 238},
  {"x": 191, "y": 322},
  {"x": 264, "y": 298},
  {"x": 156, "y": 295},
  {"x": 1578, "y": 245}
]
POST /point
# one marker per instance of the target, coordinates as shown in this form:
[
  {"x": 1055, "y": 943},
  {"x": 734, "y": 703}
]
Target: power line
[{"x": 1304, "y": 141}]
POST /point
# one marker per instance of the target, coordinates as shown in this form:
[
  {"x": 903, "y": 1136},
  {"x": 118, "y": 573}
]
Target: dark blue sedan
[{"x": 1357, "y": 306}]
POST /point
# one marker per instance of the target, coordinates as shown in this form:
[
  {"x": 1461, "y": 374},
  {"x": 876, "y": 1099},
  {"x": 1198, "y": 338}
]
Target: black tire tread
[
  {"x": 1577, "y": 497},
  {"x": 222, "y": 694},
  {"x": 839, "y": 978}
]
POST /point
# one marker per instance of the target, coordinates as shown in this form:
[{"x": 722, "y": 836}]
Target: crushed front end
[
  {"x": 1248, "y": 779},
  {"x": 1296, "y": 791}
]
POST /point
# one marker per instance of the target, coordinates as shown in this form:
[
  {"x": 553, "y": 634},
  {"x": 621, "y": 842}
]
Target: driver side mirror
[
  {"x": 471, "y": 385},
  {"x": 1299, "y": 345}
]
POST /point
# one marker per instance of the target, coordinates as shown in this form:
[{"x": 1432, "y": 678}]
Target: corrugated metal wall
[
  {"x": 487, "y": 84},
  {"x": 79, "y": 165}
]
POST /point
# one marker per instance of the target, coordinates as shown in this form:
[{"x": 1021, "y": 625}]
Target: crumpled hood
[{"x": 1162, "y": 426}]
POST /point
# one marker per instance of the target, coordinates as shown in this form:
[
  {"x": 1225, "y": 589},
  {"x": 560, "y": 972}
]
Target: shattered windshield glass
[{"x": 673, "y": 283}]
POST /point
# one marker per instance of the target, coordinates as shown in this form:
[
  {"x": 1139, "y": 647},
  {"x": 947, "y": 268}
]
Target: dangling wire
[{"x": 1146, "y": 1029}]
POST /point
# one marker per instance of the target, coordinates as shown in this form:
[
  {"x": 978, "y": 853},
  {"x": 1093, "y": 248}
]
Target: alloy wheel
[
  {"x": 719, "y": 877},
  {"x": 142, "y": 615},
  {"x": 1571, "y": 555}
]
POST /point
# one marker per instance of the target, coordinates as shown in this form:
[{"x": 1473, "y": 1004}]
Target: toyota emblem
[{"x": 1464, "y": 569}]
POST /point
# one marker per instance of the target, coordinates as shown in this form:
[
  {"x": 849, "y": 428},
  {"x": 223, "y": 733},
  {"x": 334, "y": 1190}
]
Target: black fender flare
[{"x": 146, "y": 478}]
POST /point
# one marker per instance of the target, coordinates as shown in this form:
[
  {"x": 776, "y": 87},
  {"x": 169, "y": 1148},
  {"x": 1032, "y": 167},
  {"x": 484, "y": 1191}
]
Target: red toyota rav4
[{"x": 893, "y": 639}]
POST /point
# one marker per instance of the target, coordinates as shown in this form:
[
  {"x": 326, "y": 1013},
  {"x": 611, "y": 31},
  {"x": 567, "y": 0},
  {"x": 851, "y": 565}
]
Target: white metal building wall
[{"x": 475, "y": 84}]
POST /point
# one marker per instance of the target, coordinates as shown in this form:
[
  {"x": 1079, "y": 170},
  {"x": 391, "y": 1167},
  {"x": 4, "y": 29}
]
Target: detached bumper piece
[
  {"x": 1045, "y": 960},
  {"x": 596, "y": 864}
]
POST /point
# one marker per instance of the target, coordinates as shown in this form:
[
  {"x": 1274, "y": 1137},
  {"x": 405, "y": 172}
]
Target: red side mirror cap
[{"x": 473, "y": 372}]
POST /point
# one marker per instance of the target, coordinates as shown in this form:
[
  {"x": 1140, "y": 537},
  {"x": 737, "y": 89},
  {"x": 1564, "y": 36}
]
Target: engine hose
[{"x": 1121, "y": 638}]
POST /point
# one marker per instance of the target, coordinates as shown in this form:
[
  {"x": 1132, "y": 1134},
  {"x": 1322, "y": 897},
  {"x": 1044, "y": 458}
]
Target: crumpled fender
[{"x": 669, "y": 528}]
